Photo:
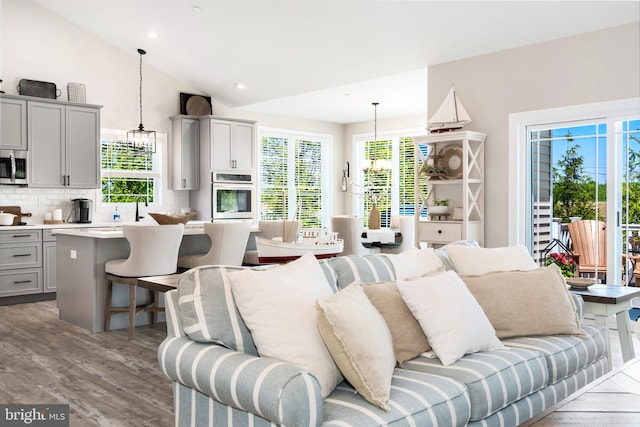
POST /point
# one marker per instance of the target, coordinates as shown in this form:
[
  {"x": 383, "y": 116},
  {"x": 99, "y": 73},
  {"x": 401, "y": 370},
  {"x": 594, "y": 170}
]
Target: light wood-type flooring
[{"x": 106, "y": 379}]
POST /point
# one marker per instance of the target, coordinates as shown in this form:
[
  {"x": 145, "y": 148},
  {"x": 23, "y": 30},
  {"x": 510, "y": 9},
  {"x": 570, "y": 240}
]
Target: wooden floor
[
  {"x": 611, "y": 400},
  {"x": 106, "y": 379}
]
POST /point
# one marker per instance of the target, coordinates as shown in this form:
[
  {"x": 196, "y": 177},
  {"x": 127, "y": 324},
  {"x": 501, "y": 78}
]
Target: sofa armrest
[
  {"x": 579, "y": 303},
  {"x": 277, "y": 391}
]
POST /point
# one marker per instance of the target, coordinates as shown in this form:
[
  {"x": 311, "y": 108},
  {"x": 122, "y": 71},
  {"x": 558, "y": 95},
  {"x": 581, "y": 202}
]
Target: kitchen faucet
[{"x": 137, "y": 212}]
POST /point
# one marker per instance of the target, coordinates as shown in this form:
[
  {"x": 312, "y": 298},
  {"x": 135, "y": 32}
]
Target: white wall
[
  {"x": 592, "y": 67},
  {"x": 38, "y": 45}
]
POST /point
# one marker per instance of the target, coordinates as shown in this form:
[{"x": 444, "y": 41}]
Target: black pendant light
[{"x": 143, "y": 141}]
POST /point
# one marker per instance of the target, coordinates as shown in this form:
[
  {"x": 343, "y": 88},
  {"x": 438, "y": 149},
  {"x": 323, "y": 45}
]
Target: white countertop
[{"x": 114, "y": 231}]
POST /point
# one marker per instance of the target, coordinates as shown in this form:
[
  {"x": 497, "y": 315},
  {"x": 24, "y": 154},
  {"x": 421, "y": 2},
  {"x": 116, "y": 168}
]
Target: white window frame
[
  {"x": 156, "y": 173},
  {"x": 326, "y": 142}
]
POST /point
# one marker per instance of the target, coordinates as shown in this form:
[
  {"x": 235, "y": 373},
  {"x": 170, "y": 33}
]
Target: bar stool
[
  {"x": 153, "y": 252},
  {"x": 228, "y": 244}
]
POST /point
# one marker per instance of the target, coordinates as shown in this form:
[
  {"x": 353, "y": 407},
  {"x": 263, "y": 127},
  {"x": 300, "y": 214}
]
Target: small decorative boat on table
[
  {"x": 319, "y": 241},
  {"x": 450, "y": 116}
]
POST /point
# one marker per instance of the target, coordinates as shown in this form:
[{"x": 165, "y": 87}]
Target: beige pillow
[
  {"x": 277, "y": 305},
  {"x": 472, "y": 261},
  {"x": 406, "y": 333},
  {"x": 359, "y": 342},
  {"x": 525, "y": 303}
]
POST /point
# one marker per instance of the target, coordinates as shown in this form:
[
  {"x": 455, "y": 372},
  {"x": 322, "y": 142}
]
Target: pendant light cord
[{"x": 141, "y": 52}]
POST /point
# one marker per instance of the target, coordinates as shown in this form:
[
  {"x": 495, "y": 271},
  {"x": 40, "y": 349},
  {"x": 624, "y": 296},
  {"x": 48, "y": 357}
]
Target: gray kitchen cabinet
[
  {"x": 232, "y": 144},
  {"x": 20, "y": 262},
  {"x": 13, "y": 124},
  {"x": 185, "y": 157},
  {"x": 64, "y": 145},
  {"x": 49, "y": 271}
]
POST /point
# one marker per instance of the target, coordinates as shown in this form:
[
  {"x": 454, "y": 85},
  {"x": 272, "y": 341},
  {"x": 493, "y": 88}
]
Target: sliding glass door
[{"x": 584, "y": 170}]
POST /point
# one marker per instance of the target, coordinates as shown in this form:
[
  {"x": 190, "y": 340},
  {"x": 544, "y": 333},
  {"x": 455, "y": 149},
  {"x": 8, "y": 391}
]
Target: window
[
  {"x": 393, "y": 188},
  {"x": 293, "y": 177},
  {"x": 127, "y": 177}
]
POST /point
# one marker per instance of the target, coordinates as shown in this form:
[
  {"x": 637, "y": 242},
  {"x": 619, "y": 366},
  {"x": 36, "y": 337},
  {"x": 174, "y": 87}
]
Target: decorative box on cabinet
[
  {"x": 64, "y": 145},
  {"x": 462, "y": 154},
  {"x": 232, "y": 144},
  {"x": 13, "y": 124},
  {"x": 185, "y": 143}
]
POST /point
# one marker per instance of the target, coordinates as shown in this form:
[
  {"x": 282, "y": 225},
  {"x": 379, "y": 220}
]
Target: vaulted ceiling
[{"x": 327, "y": 60}]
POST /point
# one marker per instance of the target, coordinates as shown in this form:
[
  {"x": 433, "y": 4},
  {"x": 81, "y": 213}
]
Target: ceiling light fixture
[
  {"x": 375, "y": 165},
  {"x": 152, "y": 35},
  {"x": 196, "y": 8},
  {"x": 240, "y": 86},
  {"x": 143, "y": 141}
]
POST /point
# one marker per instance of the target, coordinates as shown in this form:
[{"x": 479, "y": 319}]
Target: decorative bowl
[
  {"x": 580, "y": 282},
  {"x": 164, "y": 219}
]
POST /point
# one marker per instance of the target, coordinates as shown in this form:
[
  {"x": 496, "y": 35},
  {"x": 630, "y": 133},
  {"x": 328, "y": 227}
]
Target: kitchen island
[{"x": 81, "y": 254}]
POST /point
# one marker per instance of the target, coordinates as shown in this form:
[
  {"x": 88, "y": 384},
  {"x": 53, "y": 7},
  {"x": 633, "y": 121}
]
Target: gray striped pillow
[
  {"x": 208, "y": 311},
  {"x": 363, "y": 268}
]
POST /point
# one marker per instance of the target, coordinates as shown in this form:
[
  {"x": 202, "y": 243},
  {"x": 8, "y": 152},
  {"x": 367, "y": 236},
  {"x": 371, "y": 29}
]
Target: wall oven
[
  {"x": 13, "y": 167},
  {"x": 232, "y": 198}
]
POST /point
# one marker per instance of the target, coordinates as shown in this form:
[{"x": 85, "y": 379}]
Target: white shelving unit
[{"x": 462, "y": 153}]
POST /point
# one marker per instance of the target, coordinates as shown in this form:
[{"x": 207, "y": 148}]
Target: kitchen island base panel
[{"x": 81, "y": 278}]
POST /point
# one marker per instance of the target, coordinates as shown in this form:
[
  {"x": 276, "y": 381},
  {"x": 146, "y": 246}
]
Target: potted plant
[
  {"x": 566, "y": 263},
  {"x": 439, "y": 207}
]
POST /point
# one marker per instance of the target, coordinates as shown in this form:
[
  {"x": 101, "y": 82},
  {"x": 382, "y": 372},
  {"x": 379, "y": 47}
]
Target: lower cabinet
[
  {"x": 49, "y": 261},
  {"x": 22, "y": 281},
  {"x": 27, "y": 262},
  {"x": 20, "y": 262}
]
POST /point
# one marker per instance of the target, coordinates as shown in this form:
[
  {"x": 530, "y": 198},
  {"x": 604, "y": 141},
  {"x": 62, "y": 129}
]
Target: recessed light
[
  {"x": 196, "y": 8},
  {"x": 240, "y": 86},
  {"x": 152, "y": 35}
]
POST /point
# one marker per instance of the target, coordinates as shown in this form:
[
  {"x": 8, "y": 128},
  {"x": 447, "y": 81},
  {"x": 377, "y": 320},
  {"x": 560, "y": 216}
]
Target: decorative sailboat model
[
  {"x": 450, "y": 116},
  {"x": 319, "y": 241}
]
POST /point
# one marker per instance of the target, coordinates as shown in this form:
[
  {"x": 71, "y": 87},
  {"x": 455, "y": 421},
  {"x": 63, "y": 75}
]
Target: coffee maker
[{"x": 81, "y": 210}]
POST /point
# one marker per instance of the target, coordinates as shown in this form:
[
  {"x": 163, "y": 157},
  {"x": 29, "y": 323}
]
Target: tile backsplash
[{"x": 39, "y": 201}]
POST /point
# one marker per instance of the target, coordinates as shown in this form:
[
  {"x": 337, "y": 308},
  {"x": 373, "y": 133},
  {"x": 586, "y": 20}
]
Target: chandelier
[{"x": 143, "y": 141}]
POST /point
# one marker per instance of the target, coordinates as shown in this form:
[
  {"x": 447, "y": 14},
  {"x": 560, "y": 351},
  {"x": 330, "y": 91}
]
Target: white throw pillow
[
  {"x": 449, "y": 315},
  {"x": 469, "y": 261},
  {"x": 359, "y": 340},
  {"x": 278, "y": 306},
  {"x": 415, "y": 263}
]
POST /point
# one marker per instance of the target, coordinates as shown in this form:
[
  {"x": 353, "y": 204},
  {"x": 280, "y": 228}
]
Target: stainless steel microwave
[{"x": 13, "y": 167}]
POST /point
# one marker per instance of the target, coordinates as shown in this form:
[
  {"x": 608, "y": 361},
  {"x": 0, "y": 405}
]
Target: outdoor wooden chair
[{"x": 589, "y": 242}]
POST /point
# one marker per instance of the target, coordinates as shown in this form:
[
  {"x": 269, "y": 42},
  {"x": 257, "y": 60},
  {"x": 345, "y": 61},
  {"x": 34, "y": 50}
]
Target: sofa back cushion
[
  {"x": 468, "y": 260},
  {"x": 526, "y": 303},
  {"x": 363, "y": 268},
  {"x": 208, "y": 311}
]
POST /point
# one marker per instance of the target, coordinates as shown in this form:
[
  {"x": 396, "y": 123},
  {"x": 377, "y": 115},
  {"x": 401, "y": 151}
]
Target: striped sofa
[{"x": 219, "y": 379}]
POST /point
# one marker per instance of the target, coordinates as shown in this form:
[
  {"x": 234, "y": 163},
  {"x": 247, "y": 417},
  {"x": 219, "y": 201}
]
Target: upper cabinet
[
  {"x": 64, "y": 145},
  {"x": 13, "y": 124},
  {"x": 185, "y": 143},
  {"x": 232, "y": 144}
]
